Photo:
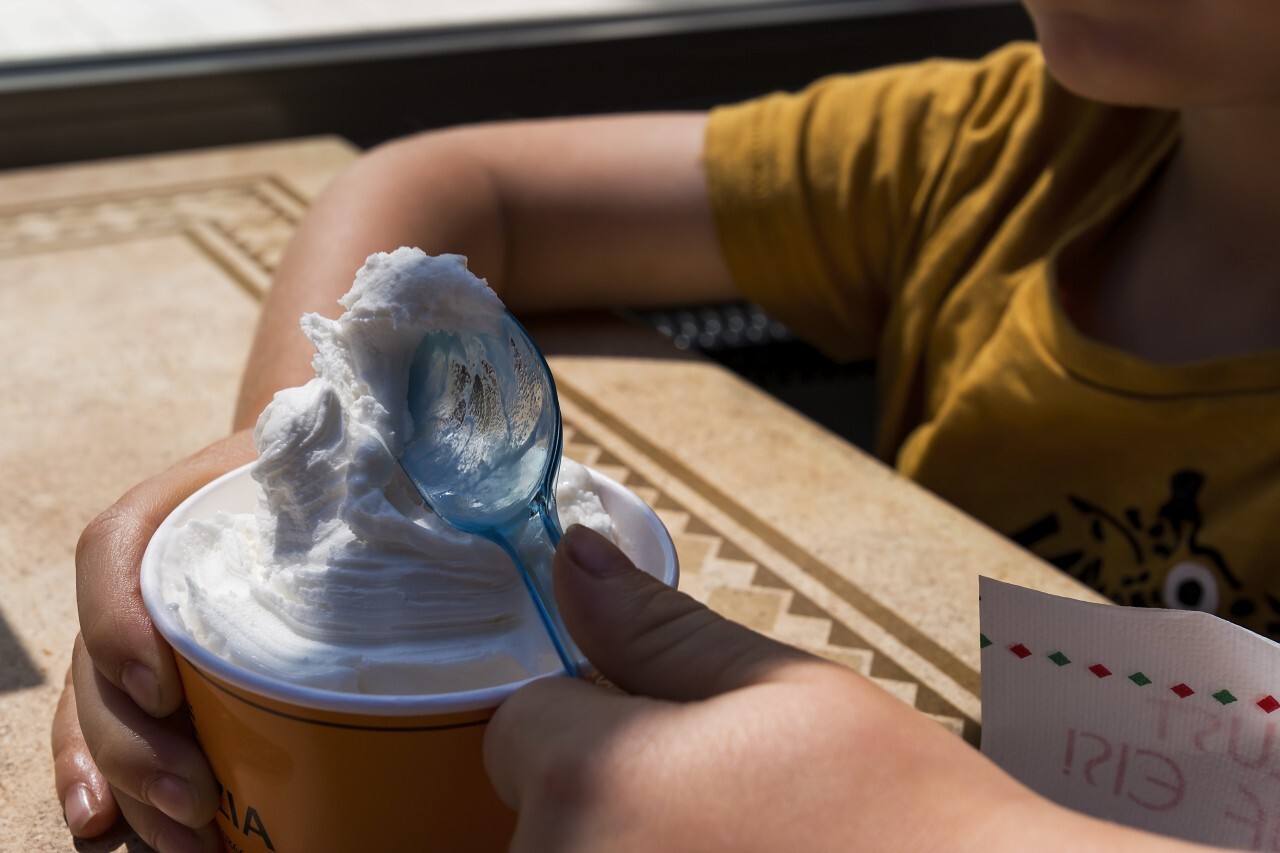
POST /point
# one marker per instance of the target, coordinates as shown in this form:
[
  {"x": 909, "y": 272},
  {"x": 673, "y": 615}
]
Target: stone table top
[{"x": 128, "y": 294}]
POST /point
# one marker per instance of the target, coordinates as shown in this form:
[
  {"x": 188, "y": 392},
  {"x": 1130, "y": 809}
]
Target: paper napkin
[{"x": 1161, "y": 719}]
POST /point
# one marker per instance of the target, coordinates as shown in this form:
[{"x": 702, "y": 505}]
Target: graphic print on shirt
[{"x": 1149, "y": 559}]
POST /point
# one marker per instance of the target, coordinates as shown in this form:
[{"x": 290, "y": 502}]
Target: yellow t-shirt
[{"x": 919, "y": 215}]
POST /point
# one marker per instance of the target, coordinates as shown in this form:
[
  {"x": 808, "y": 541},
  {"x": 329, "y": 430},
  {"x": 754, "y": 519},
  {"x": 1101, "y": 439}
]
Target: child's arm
[{"x": 561, "y": 214}]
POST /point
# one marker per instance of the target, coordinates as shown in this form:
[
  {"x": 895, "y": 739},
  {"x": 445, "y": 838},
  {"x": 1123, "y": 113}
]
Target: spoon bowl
[{"x": 486, "y": 448}]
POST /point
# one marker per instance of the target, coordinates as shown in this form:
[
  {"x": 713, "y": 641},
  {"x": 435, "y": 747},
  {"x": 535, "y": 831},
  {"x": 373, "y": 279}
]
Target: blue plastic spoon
[{"x": 486, "y": 451}]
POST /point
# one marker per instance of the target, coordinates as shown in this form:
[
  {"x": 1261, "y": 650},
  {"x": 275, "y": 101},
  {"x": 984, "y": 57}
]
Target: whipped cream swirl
[{"x": 342, "y": 578}]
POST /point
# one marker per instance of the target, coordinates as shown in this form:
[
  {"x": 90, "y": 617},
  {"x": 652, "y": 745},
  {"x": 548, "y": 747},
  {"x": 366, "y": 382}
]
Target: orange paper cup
[{"x": 312, "y": 770}]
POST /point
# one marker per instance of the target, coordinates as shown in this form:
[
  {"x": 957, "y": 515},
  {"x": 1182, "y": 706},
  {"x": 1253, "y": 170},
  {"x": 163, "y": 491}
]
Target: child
[{"x": 1066, "y": 277}]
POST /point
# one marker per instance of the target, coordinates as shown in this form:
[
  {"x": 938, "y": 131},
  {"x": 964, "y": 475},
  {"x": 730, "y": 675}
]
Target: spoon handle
[{"x": 534, "y": 559}]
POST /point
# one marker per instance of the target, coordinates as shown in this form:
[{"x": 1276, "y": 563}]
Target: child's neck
[
  {"x": 1192, "y": 271},
  {"x": 1229, "y": 161}
]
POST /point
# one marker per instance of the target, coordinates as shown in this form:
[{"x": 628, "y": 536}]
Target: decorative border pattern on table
[
  {"x": 737, "y": 573},
  {"x": 242, "y": 224}
]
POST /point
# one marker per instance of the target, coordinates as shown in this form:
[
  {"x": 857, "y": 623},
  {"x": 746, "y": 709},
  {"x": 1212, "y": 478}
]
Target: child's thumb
[{"x": 650, "y": 639}]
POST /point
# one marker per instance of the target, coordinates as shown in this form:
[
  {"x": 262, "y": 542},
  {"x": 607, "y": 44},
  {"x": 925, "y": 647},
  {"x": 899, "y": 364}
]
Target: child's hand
[
  {"x": 735, "y": 742},
  {"x": 121, "y": 741}
]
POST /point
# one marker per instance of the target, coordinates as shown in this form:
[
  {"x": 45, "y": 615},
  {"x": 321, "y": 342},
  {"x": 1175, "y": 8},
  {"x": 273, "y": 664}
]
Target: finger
[
  {"x": 87, "y": 803},
  {"x": 650, "y": 639},
  {"x": 151, "y": 760},
  {"x": 113, "y": 620},
  {"x": 167, "y": 835},
  {"x": 548, "y": 740}
]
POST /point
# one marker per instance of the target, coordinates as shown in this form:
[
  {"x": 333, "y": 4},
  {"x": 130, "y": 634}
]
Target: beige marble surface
[{"x": 128, "y": 291}]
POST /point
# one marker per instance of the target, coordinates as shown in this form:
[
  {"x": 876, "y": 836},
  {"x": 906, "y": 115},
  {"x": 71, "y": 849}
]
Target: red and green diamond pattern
[{"x": 1267, "y": 703}]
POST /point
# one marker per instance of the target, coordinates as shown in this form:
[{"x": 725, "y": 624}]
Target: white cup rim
[{"x": 618, "y": 499}]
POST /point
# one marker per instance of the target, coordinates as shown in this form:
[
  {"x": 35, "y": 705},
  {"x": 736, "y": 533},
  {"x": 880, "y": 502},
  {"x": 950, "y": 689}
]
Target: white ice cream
[{"x": 343, "y": 579}]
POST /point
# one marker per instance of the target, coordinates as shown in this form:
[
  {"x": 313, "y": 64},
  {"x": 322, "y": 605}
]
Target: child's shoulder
[
  {"x": 1011, "y": 81},
  {"x": 1002, "y": 105}
]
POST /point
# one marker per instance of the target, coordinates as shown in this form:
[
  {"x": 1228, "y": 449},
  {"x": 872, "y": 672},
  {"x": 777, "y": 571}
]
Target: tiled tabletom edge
[{"x": 947, "y": 686}]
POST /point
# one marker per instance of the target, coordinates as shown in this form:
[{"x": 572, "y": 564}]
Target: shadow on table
[
  {"x": 119, "y": 839},
  {"x": 743, "y": 337},
  {"x": 17, "y": 671},
  {"x": 738, "y": 336},
  {"x": 600, "y": 333}
]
